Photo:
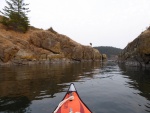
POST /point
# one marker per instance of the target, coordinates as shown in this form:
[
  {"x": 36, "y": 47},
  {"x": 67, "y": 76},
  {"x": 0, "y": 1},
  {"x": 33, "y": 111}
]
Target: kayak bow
[{"x": 72, "y": 103}]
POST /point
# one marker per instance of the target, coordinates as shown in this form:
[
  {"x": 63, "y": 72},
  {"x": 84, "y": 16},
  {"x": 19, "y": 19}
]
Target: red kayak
[{"x": 72, "y": 103}]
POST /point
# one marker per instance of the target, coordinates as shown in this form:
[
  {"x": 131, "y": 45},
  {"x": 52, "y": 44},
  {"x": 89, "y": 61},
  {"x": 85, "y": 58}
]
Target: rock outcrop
[
  {"x": 41, "y": 46},
  {"x": 104, "y": 57},
  {"x": 137, "y": 53},
  {"x": 7, "y": 49}
]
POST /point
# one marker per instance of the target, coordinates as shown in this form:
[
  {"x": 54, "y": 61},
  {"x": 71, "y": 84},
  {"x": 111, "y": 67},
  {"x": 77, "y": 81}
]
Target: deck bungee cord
[
  {"x": 62, "y": 102},
  {"x": 72, "y": 103}
]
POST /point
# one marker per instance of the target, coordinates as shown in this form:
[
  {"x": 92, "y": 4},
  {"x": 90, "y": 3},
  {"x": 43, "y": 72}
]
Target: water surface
[{"x": 104, "y": 87}]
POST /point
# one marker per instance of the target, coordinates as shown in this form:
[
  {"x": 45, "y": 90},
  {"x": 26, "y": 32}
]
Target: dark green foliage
[
  {"x": 4, "y": 21},
  {"x": 109, "y": 51},
  {"x": 15, "y": 15}
]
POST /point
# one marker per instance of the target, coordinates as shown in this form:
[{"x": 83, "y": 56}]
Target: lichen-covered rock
[
  {"x": 25, "y": 55},
  {"x": 137, "y": 53},
  {"x": 45, "y": 40},
  {"x": 104, "y": 57},
  {"x": 38, "y": 46},
  {"x": 77, "y": 53},
  {"x": 97, "y": 55},
  {"x": 7, "y": 49},
  {"x": 90, "y": 53}
]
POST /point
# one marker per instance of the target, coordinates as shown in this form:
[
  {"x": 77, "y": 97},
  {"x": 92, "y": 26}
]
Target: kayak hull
[{"x": 75, "y": 105}]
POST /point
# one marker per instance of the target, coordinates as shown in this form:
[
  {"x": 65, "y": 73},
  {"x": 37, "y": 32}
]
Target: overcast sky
[{"x": 101, "y": 22}]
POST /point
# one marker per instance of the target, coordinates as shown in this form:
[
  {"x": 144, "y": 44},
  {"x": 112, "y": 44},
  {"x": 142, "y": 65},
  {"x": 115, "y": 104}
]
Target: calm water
[{"x": 104, "y": 87}]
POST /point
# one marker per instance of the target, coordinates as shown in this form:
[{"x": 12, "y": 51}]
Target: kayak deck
[{"x": 72, "y": 103}]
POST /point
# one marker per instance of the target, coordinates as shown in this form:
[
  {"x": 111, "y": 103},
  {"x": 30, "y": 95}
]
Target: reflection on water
[
  {"x": 104, "y": 87},
  {"x": 139, "y": 79},
  {"x": 14, "y": 104},
  {"x": 22, "y": 84}
]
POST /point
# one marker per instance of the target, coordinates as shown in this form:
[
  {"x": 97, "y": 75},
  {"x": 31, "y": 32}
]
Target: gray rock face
[{"x": 137, "y": 53}]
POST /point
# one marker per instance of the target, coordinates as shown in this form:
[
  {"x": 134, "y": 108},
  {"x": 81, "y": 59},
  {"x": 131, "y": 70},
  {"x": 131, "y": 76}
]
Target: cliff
[
  {"x": 41, "y": 46},
  {"x": 137, "y": 53}
]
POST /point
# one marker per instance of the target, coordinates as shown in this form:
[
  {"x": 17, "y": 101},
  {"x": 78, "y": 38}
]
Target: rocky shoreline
[
  {"x": 137, "y": 52},
  {"x": 42, "y": 46}
]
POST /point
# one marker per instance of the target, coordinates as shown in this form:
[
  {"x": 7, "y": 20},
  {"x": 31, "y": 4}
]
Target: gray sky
[{"x": 101, "y": 22}]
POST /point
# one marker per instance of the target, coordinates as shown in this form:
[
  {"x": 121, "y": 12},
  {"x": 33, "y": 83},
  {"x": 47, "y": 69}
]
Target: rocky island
[
  {"x": 41, "y": 46},
  {"x": 137, "y": 53}
]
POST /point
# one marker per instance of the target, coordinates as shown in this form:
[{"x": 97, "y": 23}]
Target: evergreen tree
[{"x": 16, "y": 15}]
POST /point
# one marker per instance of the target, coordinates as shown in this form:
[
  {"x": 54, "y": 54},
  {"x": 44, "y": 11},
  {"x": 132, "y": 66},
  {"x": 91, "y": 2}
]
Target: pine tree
[{"x": 16, "y": 15}]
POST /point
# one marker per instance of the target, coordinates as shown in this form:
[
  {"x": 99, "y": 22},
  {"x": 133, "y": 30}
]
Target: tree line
[
  {"x": 109, "y": 51},
  {"x": 15, "y": 15}
]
